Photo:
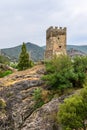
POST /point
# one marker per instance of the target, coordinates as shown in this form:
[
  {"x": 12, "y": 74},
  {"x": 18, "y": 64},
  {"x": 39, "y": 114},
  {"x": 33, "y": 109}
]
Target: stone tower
[{"x": 55, "y": 42}]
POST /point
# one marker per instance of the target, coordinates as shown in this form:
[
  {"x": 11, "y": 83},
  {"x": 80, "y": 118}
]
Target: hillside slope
[{"x": 36, "y": 52}]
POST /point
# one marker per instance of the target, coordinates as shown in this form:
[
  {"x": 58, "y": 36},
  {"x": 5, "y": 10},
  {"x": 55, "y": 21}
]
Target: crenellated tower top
[{"x": 55, "y": 31}]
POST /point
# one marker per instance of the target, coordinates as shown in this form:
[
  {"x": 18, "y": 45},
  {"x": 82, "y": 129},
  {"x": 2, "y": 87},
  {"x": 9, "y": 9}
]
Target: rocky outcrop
[
  {"x": 20, "y": 114},
  {"x": 43, "y": 118}
]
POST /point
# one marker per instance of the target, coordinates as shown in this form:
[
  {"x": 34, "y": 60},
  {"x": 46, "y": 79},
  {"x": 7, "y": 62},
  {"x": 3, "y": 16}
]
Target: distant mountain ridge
[
  {"x": 82, "y": 48},
  {"x": 36, "y": 52}
]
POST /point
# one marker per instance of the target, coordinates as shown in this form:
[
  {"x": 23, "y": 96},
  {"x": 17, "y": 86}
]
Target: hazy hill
[
  {"x": 36, "y": 52},
  {"x": 75, "y": 47},
  {"x": 79, "y": 48}
]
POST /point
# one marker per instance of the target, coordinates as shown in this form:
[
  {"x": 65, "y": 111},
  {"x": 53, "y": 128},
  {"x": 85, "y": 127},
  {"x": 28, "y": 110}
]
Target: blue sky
[{"x": 27, "y": 21}]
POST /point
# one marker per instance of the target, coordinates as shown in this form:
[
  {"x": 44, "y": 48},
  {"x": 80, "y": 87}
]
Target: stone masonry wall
[{"x": 55, "y": 42}]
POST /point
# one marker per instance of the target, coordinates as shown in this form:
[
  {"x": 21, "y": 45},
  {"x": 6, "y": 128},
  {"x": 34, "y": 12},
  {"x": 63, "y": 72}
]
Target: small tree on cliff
[{"x": 23, "y": 62}]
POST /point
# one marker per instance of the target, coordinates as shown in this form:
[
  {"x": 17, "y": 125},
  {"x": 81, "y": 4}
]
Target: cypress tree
[{"x": 23, "y": 62}]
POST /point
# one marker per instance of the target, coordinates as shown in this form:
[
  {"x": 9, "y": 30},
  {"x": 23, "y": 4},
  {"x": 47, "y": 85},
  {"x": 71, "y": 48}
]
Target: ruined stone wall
[{"x": 55, "y": 42}]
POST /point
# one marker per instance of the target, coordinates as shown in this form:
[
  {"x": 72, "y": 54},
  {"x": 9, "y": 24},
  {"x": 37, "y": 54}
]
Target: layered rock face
[
  {"x": 43, "y": 118},
  {"x": 20, "y": 114}
]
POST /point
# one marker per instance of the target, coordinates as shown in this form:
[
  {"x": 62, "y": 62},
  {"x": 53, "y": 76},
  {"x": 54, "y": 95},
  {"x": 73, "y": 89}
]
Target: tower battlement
[{"x": 55, "y": 31}]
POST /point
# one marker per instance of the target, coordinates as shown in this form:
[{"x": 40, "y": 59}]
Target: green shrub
[
  {"x": 37, "y": 96},
  {"x": 41, "y": 97},
  {"x": 59, "y": 71},
  {"x": 5, "y": 73},
  {"x": 73, "y": 112},
  {"x": 63, "y": 73},
  {"x": 80, "y": 68},
  {"x": 38, "y": 104}
]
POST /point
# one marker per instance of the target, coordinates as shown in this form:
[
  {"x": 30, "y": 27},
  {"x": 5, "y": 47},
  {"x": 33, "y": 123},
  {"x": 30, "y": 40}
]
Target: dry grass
[{"x": 20, "y": 76}]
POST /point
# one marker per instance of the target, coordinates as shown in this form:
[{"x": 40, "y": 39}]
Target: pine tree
[{"x": 23, "y": 62}]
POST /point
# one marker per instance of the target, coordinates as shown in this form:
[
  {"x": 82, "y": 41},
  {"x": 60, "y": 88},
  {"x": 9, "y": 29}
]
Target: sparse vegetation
[
  {"x": 13, "y": 65},
  {"x": 38, "y": 98},
  {"x": 41, "y": 97},
  {"x": 2, "y": 104},
  {"x": 5, "y": 73}
]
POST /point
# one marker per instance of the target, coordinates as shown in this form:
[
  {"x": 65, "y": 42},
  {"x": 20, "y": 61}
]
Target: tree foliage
[
  {"x": 24, "y": 61},
  {"x": 73, "y": 112},
  {"x": 62, "y": 72},
  {"x": 80, "y": 68}
]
